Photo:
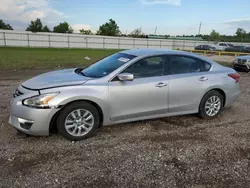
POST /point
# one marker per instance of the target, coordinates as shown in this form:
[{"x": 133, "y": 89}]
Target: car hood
[
  {"x": 58, "y": 78},
  {"x": 244, "y": 57}
]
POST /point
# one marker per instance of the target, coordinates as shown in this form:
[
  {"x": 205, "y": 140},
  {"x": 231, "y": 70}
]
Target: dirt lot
[{"x": 180, "y": 151}]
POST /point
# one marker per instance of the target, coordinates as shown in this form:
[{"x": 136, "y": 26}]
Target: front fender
[{"x": 96, "y": 94}]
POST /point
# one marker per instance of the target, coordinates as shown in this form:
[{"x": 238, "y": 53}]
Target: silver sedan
[{"x": 131, "y": 85}]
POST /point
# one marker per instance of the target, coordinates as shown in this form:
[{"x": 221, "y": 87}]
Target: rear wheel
[
  {"x": 78, "y": 121},
  {"x": 211, "y": 104}
]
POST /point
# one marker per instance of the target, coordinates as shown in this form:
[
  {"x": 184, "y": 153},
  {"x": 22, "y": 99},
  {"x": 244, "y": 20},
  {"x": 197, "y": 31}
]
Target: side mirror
[{"x": 126, "y": 77}]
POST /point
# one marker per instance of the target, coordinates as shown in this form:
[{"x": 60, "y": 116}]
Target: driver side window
[{"x": 148, "y": 67}]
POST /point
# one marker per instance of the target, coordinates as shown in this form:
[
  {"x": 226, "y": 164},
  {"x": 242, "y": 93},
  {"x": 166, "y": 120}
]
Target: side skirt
[{"x": 151, "y": 117}]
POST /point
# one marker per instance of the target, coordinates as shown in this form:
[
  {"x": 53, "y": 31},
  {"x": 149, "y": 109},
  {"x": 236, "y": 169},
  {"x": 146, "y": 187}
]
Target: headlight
[
  {"x": 235, "y": 61},
  {"x": 40, "y": 101}
]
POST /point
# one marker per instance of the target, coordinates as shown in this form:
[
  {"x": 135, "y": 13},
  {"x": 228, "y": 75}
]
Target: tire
[
  {"x": 207, "y": 99},
  {"x": 78, "y": 128}
]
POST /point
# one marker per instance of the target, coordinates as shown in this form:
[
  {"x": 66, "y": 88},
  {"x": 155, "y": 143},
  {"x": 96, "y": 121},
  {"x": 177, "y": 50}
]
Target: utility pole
[
  {"x": 155, "y": 30},
  {"x": 199, "y": 32}
]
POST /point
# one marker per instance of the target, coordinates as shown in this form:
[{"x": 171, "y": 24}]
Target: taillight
[{"x": 235, "y": 76}]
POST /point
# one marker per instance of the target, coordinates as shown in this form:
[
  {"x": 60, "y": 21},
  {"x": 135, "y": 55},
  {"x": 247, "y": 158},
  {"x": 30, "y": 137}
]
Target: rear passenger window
[
  {"x": 205, "y": 66},
  {"x": 222, "y": 44},
  {"x": 184, "y": 64}
]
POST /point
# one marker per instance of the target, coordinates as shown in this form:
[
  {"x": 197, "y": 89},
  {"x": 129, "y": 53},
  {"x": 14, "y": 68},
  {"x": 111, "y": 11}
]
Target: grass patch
[
  {"x": 40, "y": 58},
  {"x": 51, "y": 58}
]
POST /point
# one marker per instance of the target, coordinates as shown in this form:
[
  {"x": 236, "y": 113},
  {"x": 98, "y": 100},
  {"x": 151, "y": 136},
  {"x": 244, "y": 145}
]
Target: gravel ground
[
  {"x": 223, "y": 59},
  {"x": 182, "y": 151}
]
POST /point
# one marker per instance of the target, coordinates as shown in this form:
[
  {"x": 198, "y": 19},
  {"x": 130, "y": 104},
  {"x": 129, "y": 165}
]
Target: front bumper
[
  {"x": 242, "y": 66},
  {"x": 32, "y": 121},
  {"x": 40, "y": 119}
]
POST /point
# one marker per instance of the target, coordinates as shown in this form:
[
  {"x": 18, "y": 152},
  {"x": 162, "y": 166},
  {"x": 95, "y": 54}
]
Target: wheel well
[
  {"x": 53, "y": 126},
  {"x": 221, "y": 92}
]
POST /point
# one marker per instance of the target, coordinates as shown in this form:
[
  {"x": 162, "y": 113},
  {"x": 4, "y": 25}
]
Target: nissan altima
[{"x": 130, "y": 85}]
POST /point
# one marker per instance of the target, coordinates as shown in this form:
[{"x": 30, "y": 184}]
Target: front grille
[
  {"x": 242, "y": 61},
  {"x": 17, "y": 93},
  {"x": 240, "y": 66}
]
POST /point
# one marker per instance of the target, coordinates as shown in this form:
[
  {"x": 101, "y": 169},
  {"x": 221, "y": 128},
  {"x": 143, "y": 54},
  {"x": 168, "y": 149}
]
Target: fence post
[
  {"x": 103, "y": 43},
  {"x": 119, "y": 43},
  {"x": 160, "y": 43},
  {"x": 4, "y": 39},
  {"x": 147, "y": 43},
  {"x": 183, "y": 47},
  {"x": 133, "y": 43},
  {"x": 86, "y": 38},
  {"x": 49, "y": 41},
  {"x": 68, "y": 41},
  {"x": 28, "y": 36}
]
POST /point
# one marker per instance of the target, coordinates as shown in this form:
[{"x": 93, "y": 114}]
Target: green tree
[
  {"x": 109, "y": 29},
  {"x": 241, "y": 34},
  {"x": 5, "y": 26},
  {"x": 86, "y": 32},
  {"x": 136, "y": 33},
  {"x": 214, "y": 35},
  {"x": 46, "y": 29},
  {"x": 63, "y": 28},
  {"x": 35, "y": 26}
]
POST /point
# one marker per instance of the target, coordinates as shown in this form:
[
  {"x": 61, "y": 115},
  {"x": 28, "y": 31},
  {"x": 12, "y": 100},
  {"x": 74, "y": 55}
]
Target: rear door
[{"x": 187, "y": 82}]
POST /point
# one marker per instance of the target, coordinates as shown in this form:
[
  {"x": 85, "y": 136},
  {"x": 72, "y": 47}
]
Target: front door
[{"x": 145, "y": 96}]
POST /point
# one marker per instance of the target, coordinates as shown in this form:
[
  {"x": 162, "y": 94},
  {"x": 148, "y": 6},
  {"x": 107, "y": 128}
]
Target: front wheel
[
  {"x": 211, "y": 104},
  {"x": 78, "y": 120}
]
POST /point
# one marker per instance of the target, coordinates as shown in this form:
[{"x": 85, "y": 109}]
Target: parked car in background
[
  {"x": 244, "y": 49},
  {"x": 131, "y": 85},
  {"x": 205, "y": 47},
  {"x": 242, "y": 63},
  {"x": 221, "y": 46}
]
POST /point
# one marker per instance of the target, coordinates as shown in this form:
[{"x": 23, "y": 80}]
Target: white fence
[{"x": 56, "y": 40}]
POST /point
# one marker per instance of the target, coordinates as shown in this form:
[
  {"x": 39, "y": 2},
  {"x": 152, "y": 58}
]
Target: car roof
[
  {"x": 151, "y": 51},
  {"x": 140, "y": 52}
]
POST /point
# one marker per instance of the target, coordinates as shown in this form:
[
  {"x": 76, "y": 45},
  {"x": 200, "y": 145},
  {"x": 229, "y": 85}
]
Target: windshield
[{"x": 107, "y": 65}]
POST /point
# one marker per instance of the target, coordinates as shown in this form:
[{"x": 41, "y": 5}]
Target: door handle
[
  {"x": 161, "y": 84},
  {"x": 202, "y": 79}
]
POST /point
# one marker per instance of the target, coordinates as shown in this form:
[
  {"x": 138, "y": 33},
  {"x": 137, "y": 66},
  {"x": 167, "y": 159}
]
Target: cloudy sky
[{"x": 174, "y": 17}]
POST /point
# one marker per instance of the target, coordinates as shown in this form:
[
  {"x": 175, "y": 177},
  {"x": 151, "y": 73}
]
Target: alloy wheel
[
  {"x": 212, "y": 106},
  {"x": 79, "y": 122}
]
